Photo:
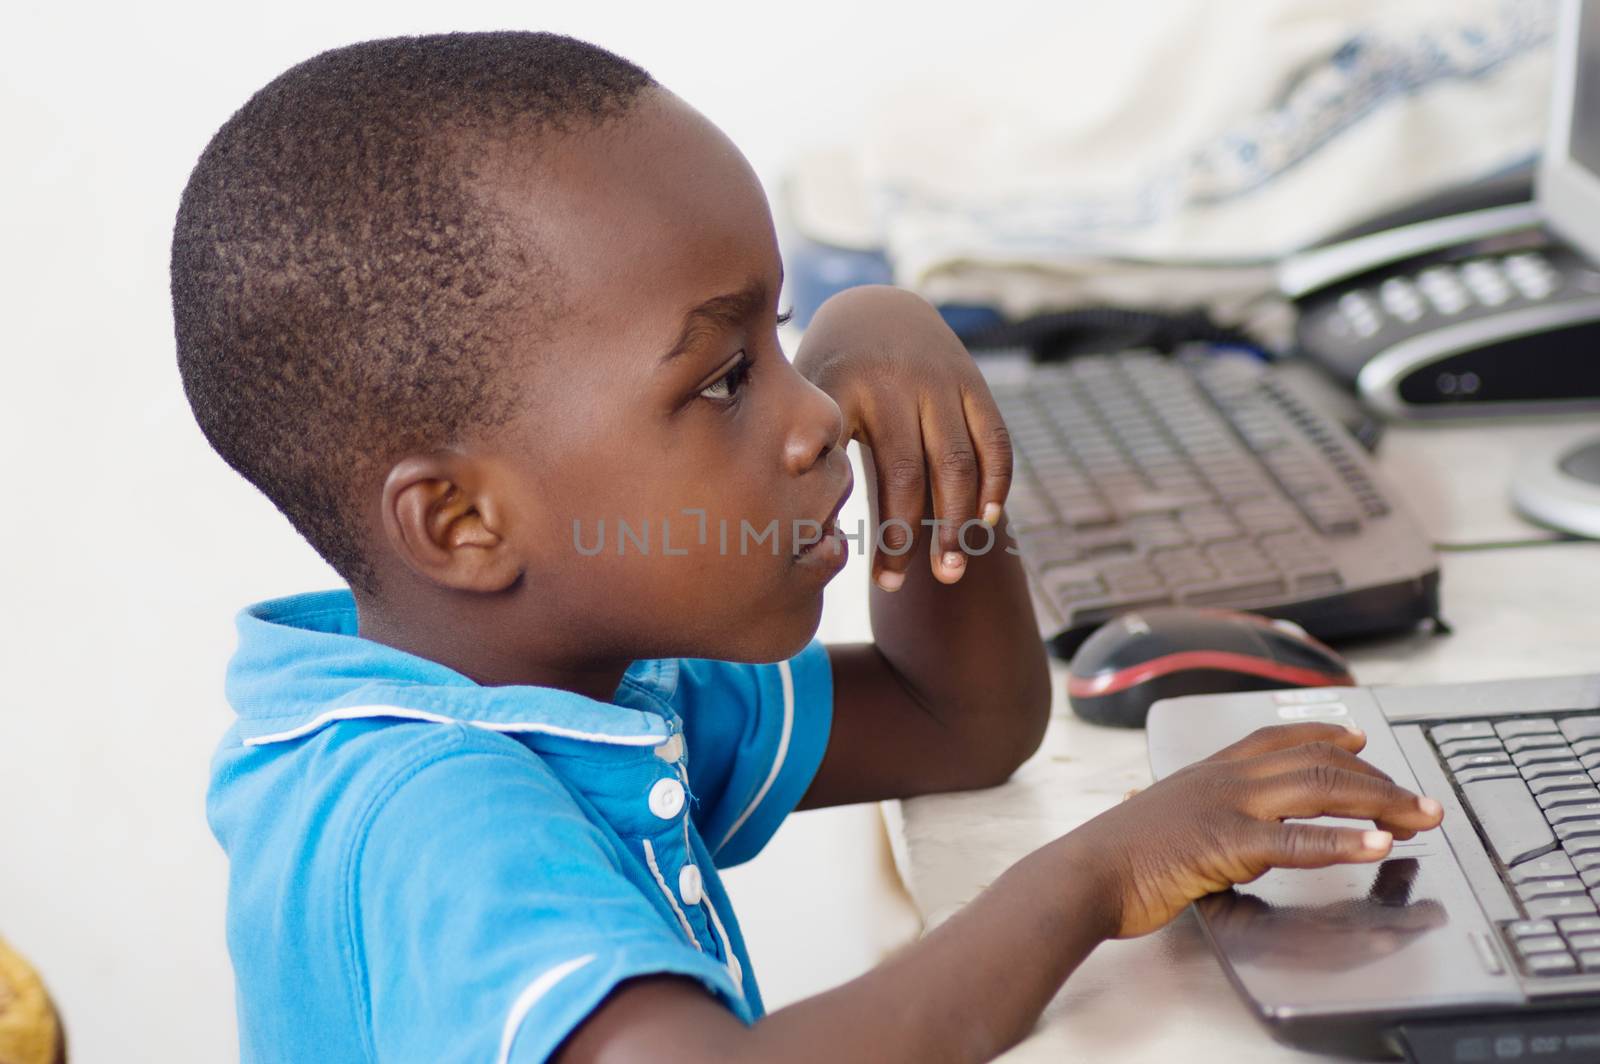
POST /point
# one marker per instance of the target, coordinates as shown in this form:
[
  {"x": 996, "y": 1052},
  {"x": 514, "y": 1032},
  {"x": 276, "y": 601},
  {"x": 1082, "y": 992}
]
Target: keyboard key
[
  {"x": 1545, "y": 756},
  {"x": 1565, "y": 813},
  {"x": 1589, "y": 960},
  {"x": 1472, "y": 729},
  {"x": 1551, "y": 964},
  {"x": 1107, "y": 541},
  {"x": 1507, "y": 729},
  {"x": 1470, "y": 746},
  {"x": 1231, "y": 591},
  {"x": 1581, "y": 747},
  {"x": 1575, "y": 728},
  {"x": 1544, "y": 888},
  {"x": 1085, "y": 513},
  {"x": 1522, "y": 928},
  {"x": 1575, "y": 796},
  {"x": 1471, "y": 760},
  {"x": 1136, "y": 578},
  {"x": 1579, "y": 925},
  {"x": 1534, "y": 742},
  {"x": 1239, "y": 558},
  {"x": 1512, "y": 823},
  {"x": 1580, "y": 847},
  {"x": 1069, "y": 583},
  {"x": 1317, "y": 580},
  {"x": 1028, "y": 509},
  {"x": 1550, "y": 866},
  {"x": 1590, "y": 877},
  {"x": 1527, "y": 947},
  {"x": 1540, "y": 769},
  {"x": 1495, "y": 772},
  {"x": 1584, "y": 862},
  {"x": 1556, "y": 783},
  {"x": 1564, "y": 905},
  {"x": 1581, "y": 942},
  {"x": 1590, "y": 762},
  {"x": 1575, "y": 829}
]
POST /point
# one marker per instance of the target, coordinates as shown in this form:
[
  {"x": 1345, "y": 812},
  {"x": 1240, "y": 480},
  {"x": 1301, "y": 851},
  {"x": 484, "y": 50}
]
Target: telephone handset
[{"x": 1462, "y": 306}]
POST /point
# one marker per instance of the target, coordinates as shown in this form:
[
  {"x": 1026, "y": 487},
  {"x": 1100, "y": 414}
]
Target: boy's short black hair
[{"x": 339, "y": 291}]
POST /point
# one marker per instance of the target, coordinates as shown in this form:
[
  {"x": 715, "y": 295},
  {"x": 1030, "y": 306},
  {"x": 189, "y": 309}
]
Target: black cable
[{"x": 1059, "y": 335}]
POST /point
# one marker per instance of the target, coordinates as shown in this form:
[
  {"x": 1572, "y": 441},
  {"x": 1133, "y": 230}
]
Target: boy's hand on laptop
[
  {"x": 1221, "y": 821},
  {"x": 914, "y": 400}
]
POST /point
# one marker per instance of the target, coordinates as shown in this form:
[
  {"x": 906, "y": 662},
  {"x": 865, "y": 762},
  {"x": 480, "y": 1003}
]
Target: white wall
[{"x": 126, "y": 546}]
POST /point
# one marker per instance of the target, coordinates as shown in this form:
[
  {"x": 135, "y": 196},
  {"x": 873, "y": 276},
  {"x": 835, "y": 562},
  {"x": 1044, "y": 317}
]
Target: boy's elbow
[{"x": 1018, "y": 719}]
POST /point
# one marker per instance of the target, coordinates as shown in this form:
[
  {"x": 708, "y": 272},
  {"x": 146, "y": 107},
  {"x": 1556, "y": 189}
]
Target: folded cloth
[{"x": 1124, "y": 153}]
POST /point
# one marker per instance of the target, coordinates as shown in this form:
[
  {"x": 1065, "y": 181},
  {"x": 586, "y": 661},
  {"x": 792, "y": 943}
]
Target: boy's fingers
[
  {"x": 1318, "y": 846},
  {"x": 1323, "y": 791},
  {"x": 953, "y": 469},
  {"x": 1281, "y": 736},
  {"x": 1310, "y": 755},
  {"x": 901, "y": 471},
  {"x": 993, "y": 442}
]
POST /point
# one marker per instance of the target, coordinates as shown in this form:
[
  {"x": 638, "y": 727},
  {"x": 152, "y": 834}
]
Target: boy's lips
[{"x": 829, "y": 549}]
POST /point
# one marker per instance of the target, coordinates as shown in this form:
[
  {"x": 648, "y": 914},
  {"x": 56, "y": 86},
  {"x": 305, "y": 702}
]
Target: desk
[{"x": 1526, "y": 611}]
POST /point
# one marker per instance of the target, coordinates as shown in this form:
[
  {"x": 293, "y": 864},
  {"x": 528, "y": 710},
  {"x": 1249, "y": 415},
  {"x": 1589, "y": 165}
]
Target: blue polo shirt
[{"x": 425, "y": 869}]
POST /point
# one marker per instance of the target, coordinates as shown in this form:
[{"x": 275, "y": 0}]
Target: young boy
[{"x": 492, "y": 319}]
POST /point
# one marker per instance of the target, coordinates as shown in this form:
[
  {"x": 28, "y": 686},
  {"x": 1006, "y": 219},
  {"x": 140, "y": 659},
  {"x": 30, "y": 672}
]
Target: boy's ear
[{"x": 445, "y": 526}]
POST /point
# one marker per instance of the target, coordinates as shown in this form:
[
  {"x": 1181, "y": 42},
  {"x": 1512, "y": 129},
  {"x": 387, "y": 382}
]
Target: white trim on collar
[{"x": 363, "y": 712}]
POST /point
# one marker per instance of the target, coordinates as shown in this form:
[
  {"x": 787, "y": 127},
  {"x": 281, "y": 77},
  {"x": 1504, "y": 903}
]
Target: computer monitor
[
  {"x": 1569, "y": 172},
  {"x": 1562, "y": 488}
]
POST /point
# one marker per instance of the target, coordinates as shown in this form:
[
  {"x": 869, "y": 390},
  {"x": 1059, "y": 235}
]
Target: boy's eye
[
  {"x": 784, "y": 318},
  {"x": 726, "y": 387}
]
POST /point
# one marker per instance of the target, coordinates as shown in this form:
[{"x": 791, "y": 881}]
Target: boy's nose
[{"x": 816, "y": 430}]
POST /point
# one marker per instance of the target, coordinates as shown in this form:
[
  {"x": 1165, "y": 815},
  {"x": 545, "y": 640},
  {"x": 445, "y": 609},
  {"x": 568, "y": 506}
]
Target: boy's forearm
[
  {"x": 976, "y": 984},
  {"x": 969, "y": 652},
  {"x": 968, "y": 990}
]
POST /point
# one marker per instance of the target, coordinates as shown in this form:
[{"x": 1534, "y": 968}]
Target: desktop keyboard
[
  {"x": 1199, "y": 480},
  {"x": 1529, "y": 783}
]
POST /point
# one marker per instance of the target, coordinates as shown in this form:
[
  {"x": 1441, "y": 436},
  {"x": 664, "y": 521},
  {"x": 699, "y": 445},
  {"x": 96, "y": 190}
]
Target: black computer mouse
[{"x": 1141, "y": 657}]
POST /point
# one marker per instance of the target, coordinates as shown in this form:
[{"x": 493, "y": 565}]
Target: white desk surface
[{"x": 1525, "y": 611}]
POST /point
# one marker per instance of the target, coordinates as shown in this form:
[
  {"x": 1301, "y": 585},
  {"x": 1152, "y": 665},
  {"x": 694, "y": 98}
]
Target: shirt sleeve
[
  {"x": 492, "y": 916},
  {"x": 755, "y": 736}
]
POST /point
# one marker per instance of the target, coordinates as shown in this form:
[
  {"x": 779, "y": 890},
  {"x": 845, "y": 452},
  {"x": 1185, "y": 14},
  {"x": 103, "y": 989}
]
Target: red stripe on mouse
[{"x": 1292, "y": 675}]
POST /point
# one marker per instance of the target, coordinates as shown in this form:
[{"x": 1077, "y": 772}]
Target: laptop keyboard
[
  {"x": 1142, "y": 480},
  {"x": 1530, "y": 784}
]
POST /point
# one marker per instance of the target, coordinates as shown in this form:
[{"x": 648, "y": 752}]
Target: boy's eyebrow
[{"x": 724, "y": 311}]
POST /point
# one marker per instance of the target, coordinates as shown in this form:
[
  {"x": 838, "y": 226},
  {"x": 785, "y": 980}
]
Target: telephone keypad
[
  {"x": 1448, "y": 290},
  {"x": 1360, "y": 313},
  {"x": 1399, "y": 297},
  {"x": 1444, "y": 290},
  {"x": 1533, "y": 275},
  {"x": 1486, "y": 281}
]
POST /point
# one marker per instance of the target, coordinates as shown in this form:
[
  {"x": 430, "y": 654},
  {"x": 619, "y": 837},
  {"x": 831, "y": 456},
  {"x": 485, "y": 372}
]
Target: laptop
[
  {"x": 1479, "y": 941},
  {"x": 1482, "y": 933}
]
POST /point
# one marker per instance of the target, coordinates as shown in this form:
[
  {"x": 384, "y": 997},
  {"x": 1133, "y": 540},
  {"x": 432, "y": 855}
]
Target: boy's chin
[{"x": 776, "y": 637}]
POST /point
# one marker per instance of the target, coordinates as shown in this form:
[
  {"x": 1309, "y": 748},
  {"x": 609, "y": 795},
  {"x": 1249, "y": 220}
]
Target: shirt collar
[{"x": 301, "y": 666}]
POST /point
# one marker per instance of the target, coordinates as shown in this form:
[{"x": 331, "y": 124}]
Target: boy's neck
[{"x": 458, "y": 643}]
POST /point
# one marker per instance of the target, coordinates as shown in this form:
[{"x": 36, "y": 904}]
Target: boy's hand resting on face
[
  {"x": 914, "y": 400},
  {"x": 1221, "y": 821}
]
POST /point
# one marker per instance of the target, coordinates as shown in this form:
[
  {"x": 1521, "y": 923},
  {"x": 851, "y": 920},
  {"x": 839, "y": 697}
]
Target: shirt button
[
  {"x": 691, "y": 888},
  {"x": 671, "y": 750},
  {"x": 666, "y": 798}
]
